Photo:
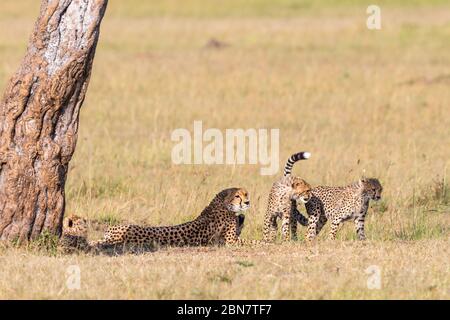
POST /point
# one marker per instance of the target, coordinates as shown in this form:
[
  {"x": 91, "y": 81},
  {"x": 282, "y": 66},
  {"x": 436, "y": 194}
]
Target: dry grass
[
  {"x": 373, "y": 102},
  {"x": 327, "y": 271}
]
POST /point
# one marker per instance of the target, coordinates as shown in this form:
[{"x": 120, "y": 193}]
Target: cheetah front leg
[
  {"x": 299, "y": 217},
  {"x": 322, "y": 221},
  {"x": 105, "y": 241},
  {"x": 334, "y": 227},
  {"x": 231, "y": 234},
  {"x": 359, "y": 227},
  {"x": 315, "y": 212},
  {"x": 286, "y": 219},
  {"x": 312, "y": 226},
  {"x": 315, "y": 226},
  {"x": 296, "y": 216},
  {"x": 270, "y": 227}
]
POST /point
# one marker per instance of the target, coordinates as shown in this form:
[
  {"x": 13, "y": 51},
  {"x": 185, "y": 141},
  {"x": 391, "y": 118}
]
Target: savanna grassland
[{"x": 364, "y": 102}]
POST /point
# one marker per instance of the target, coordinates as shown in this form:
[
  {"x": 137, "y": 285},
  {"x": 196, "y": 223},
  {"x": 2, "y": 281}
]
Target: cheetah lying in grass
[
  {"x": 216, "y": 225},
  {"x": 74, "y": 235}
]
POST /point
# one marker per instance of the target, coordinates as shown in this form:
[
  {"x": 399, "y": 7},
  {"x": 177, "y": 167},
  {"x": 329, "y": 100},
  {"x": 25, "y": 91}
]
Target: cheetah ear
[
  {"x": 363, "y": 176},
  {"x": 68, "y": 222},
  {"x": 361, "y": 182}
]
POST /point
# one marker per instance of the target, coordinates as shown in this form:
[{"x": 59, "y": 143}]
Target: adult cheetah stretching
[{"x": 217, "y": 224}]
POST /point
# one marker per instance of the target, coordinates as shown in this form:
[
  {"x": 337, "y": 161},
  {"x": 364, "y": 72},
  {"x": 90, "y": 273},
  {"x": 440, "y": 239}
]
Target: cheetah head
[
  {"x": 301, "y": 190},
  {"x": 238, "y": 200},
  {"x": 75, "y": 225},
  {"x": 372, "y": 188}
]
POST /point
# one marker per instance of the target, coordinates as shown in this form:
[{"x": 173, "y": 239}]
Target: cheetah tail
[{"x": 293, "y": 159}]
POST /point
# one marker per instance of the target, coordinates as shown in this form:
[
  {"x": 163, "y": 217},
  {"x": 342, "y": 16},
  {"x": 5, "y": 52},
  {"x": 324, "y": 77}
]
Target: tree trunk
[{"x": 39, "y": 117}]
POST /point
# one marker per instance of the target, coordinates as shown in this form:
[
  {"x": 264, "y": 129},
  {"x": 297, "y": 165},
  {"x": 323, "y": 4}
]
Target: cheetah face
[
  {"x": 75, "y": 225},
  {"x": 372, "y": 188},
  {"x": 238, "y": 201},
  {"x": 301, "y": 190}
]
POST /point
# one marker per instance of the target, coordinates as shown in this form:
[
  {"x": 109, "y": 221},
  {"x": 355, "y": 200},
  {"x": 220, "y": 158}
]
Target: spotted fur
[
  {"x": 340, "y": 204},
  {"x": 282, "y": 204},
  {"x": 74, "y": 235},
  {"x": 293, "y": 159},
  {"x": 217, "y": 224}
]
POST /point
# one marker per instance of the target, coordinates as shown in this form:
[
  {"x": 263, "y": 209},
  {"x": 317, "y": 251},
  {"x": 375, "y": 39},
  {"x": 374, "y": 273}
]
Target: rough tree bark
[{"x": 39, "y": 117}]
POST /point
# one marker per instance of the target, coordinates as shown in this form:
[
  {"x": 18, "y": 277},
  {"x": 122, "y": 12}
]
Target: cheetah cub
[
  {"x": 74, "y": 235},
  {"x": 340, "y": 204},
  {"x": 283, "y": 198}
]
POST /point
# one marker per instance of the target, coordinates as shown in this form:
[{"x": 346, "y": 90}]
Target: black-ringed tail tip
[
  {"x": 293, "y": 159},
  {"x": 306, "y": 155}
]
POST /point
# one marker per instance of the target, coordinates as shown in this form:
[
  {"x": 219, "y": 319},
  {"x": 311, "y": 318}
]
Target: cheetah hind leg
[
  {"x": 293, "y": 229},
  {"x": 270, "y": 228},
  {"x": 322, "y": 221}
]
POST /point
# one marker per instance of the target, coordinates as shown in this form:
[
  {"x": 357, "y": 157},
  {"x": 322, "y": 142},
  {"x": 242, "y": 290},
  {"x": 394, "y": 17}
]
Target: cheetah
[
  {"x": 216, "y": 225},
  {"x": 283, "y": 198},
  {"x": 340, "y": 204},
  {"x": 240, "y": 219},
  {"x": 74, "y": 235},
  {"x": 240, "y": 224}
]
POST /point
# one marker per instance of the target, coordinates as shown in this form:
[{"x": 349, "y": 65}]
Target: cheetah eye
[{"x": 237, "y": 196}]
